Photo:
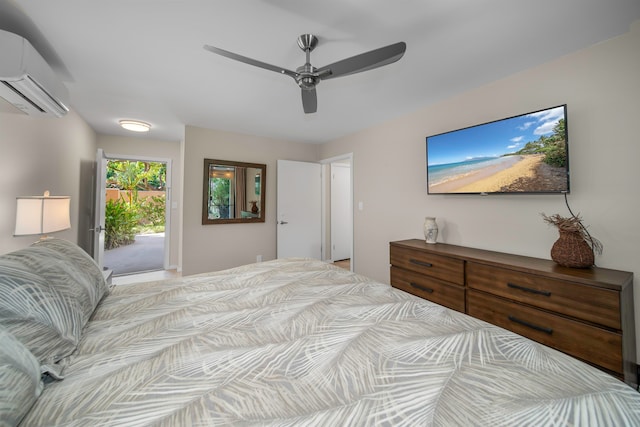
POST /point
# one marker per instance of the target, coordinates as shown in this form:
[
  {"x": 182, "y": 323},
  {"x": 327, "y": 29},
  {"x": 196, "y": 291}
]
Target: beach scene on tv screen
[{"x": 526, "y": 153}]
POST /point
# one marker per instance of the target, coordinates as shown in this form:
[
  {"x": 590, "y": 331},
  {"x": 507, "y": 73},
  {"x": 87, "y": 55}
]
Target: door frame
[
  {"x": 167, "y": 201},
  {"x": 99, "y": 187},
  {"x": 340, "y": 220},
  {"x": 325, "y": 202}
]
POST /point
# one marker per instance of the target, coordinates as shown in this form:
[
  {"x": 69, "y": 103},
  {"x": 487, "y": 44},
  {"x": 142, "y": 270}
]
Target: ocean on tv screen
[{"x": 521, "y": 154}]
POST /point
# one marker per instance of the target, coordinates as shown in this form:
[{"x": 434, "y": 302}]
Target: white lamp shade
[{"x": 41, "y": 215}]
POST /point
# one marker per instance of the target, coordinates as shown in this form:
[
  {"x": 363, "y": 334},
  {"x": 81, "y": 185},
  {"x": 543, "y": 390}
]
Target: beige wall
[
  {"x": 215, "y": 247},
  {"x": 151, "y": 148},
  {"x": 38, "y": 154},
  {"x": 601, "y": 87}
]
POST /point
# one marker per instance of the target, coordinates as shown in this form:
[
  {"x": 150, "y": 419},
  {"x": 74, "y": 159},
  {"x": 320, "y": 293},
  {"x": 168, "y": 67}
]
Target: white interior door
[
  {"x": 299, "y": 216},
  {"x": 341, "y": 217},
  {"x": 99, "y": 215}
]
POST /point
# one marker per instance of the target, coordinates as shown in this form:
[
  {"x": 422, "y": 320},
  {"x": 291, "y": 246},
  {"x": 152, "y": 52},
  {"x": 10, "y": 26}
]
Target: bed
[{"x": 279, "y": 343}]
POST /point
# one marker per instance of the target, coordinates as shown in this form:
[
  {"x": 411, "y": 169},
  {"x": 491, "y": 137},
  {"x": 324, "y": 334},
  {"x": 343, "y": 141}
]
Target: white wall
[
  {"x": 144, "y": 147},
  {"x": 600, "y": 85},
  {"x": 215, "y": 247},
  {"x": 38, "y": 154}
]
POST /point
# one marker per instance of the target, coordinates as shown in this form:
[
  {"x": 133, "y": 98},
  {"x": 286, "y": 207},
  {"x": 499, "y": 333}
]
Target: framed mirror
[{"x": 233, "y": 192}]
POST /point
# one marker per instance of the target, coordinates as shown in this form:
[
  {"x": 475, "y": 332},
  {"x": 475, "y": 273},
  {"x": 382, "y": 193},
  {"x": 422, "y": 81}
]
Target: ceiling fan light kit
[{"x": 308, "y": 77}]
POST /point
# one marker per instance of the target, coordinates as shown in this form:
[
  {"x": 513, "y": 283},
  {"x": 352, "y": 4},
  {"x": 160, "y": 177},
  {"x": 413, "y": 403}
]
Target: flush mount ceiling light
[{"x": 135, "y": 125}]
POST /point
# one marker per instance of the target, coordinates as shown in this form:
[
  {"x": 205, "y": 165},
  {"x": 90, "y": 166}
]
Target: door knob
[{"x": 283, "y": 222}]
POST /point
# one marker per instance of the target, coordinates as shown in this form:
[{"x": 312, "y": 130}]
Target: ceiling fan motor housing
[{"x": 306, "y": 78}]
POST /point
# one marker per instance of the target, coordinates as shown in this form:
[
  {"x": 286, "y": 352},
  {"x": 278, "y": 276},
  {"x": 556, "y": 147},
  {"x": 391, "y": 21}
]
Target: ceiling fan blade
[
  {"x": 363, "y": 62},
  {"x": 250, "y": 61},
  {"x": 309, "y": 100}
]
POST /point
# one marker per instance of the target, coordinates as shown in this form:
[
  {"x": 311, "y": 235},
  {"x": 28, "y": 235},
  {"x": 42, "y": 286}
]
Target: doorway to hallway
[{"x": 315, "y": 209}]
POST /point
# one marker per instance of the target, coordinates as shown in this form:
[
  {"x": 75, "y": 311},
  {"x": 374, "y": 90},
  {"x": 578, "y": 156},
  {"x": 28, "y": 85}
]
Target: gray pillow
[
  {"x": 80, "y": 259},
  {"x": 20, "y": 383},
  {"x": 68, "y": 268},
  {"x": 37, "y": 314}
]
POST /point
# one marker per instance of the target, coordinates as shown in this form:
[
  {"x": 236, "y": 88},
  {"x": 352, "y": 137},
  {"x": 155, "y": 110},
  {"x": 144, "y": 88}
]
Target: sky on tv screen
[{"x": 492, "y": 139}]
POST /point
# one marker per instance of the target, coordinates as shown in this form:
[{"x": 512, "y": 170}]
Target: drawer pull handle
[
  {"x": 531, "y": 325},
  {"x": 422, "y": 263},
  {"x": 533, "y": 291},
  {"x": 422, "y": 288}
]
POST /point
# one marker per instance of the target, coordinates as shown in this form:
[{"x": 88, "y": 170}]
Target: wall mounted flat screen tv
[{"x": 518, "y": 155}]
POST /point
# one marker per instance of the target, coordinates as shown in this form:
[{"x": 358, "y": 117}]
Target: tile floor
[
  {"x": 170, "y": 274},
  {"x": 145, "y": 277}
]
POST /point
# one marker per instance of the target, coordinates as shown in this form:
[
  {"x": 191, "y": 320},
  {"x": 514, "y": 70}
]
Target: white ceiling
[{"x": 143, "y": 59}]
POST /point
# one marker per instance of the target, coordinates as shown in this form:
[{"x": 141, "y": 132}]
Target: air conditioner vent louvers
[
  {"x": 22, "y": 106},
  {"x": 29, "y": 83}
]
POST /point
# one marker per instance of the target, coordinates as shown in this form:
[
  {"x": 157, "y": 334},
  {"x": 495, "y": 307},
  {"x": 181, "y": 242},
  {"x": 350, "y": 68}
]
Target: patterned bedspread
[{"x": 301, "y": 342}]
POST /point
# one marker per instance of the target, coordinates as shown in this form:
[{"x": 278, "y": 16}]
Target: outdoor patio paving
[{"x": 145, "y": 254}]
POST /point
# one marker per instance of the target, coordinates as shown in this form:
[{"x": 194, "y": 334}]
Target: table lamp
[{"x": 40, "y": 215}]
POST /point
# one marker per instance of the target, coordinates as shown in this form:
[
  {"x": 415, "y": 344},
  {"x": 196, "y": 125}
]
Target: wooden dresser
[{"x": 587, "y": 313}]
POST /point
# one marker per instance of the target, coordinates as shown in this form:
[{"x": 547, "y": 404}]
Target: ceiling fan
[{"x": 307, "y": 76}]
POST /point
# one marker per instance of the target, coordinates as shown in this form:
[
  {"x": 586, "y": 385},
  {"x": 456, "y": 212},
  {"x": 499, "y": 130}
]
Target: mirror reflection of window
[
  {"x": 221, "y": 198},
  {"x": 257, "y": 184}
]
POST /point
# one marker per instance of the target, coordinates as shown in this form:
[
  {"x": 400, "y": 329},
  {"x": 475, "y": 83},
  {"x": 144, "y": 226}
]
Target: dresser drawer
[
  {"x": 592, "y": 304},
  {"x": 426, "y": 287},
  {"x": 440, "y": 267},
  {"x": 586, "y": 342}
]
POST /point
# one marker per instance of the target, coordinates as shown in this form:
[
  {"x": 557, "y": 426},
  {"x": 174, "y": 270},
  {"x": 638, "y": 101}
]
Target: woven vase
[{"x": 571, "y": 250}]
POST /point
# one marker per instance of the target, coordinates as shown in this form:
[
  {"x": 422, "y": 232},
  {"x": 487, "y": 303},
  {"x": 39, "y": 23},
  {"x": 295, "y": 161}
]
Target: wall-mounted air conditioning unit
[{"x": 27, "y": 81}]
